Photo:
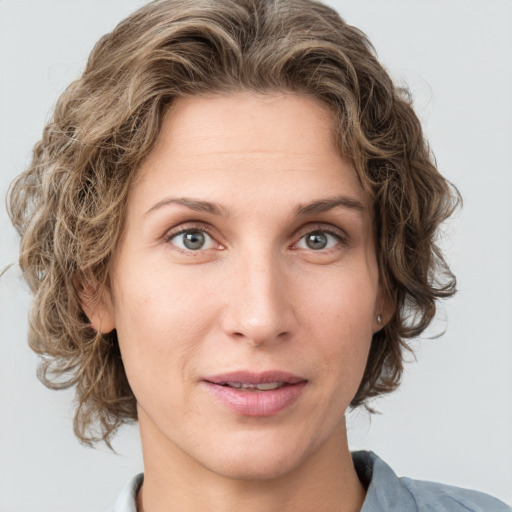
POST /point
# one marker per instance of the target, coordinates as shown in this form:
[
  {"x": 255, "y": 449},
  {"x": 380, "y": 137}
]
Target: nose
[{"x": 258, "y": 301}]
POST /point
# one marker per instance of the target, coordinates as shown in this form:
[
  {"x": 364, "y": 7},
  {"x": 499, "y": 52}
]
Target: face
[{"x": 245, "y": 285}]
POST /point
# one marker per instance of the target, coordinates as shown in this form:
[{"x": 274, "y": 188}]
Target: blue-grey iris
[
  {"x": 193, "y": 240},
  {"x": 316, "y": 241}
]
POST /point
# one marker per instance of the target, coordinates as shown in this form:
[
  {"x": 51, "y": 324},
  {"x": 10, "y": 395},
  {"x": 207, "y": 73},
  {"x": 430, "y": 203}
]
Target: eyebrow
[
  {"x": 324, "y": 205},
  {"x": 319, "y": 206},
  {"x": 193, "y": 204}
]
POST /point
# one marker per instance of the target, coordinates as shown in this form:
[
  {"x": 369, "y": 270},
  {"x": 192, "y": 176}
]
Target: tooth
[{"x": 268, "y": 386}]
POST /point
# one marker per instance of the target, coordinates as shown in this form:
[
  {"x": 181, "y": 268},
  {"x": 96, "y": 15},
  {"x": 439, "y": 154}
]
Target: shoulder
[
  {"x": 126, "y": 502},
  {"x": 438, "y": 497},
  {"x": 387, "y": 492}
]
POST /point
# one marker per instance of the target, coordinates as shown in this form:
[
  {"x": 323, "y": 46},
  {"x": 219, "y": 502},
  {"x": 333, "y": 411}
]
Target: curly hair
[{"x": 69, "y": 205}]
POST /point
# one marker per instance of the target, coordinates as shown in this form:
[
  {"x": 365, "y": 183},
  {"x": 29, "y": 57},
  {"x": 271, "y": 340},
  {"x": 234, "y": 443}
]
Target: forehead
[
  {"x": 248, "y": 141},
  {"x": 276, "y": 119}
]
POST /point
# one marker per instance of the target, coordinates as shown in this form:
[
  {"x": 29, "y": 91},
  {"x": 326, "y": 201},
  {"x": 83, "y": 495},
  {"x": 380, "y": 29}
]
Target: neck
[{"x": 325, "y": 482}]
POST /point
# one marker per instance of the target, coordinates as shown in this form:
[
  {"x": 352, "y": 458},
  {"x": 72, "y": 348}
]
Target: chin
[
  {"x": 258, "y": 461},
  {"x": 256, "y": 468}
]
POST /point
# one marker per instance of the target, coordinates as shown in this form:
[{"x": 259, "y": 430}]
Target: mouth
[
  {"x": 256, "y": 394},
  {"x": 251, "y": 381},
  {"x": 264, "y": 386}
]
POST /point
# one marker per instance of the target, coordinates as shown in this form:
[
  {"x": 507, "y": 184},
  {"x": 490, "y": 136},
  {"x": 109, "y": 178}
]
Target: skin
[{"x": 254, "y": 297}]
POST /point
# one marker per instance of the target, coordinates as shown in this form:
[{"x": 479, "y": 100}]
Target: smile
[
  {"x": 255, "y": 387},
  {"x": 256, "y": 394}
]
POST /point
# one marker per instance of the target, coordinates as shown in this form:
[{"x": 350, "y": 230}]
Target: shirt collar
[{"x": 127, "y": 500}]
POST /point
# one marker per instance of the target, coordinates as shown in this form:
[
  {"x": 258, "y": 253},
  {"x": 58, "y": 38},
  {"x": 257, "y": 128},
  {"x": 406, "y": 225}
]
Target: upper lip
[{"x": 248, "y": 377}]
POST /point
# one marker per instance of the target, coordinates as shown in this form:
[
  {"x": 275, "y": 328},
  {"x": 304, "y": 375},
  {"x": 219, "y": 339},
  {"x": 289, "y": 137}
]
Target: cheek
[
  {"x": 160, "y": 321},
  {"x": 340, "y": 316},
  {"x": 344, "y": 301},
  {"x": 159, "y": 304}
]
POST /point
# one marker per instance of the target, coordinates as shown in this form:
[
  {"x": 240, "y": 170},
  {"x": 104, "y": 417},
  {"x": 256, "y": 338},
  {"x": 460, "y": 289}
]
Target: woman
[{"x": 229, "y": 227}]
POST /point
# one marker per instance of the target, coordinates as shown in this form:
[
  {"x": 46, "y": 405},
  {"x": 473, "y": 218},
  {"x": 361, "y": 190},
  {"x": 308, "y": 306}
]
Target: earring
[{"x": 379, "y": 319}]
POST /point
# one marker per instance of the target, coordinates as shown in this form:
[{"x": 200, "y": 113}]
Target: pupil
[
  {"x": 316, "y": 241},
  {"x": 193, "y": 240}
]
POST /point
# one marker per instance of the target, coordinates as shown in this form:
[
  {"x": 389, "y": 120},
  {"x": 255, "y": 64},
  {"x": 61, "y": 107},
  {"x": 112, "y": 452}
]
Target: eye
[
  {"x": 319, "y": 240},
  {"x": 192, "y": 240}
]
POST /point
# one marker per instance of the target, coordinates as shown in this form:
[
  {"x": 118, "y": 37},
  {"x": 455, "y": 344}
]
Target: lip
[
  {"x": 255, "y": 378},
  {"x": 252, "y": 402}
]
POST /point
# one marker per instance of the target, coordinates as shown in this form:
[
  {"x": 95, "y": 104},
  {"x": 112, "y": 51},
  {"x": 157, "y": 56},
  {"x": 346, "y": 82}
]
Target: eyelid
[
  {"x": 328, "y": 229},
  {"x": 187, "y": 227}
]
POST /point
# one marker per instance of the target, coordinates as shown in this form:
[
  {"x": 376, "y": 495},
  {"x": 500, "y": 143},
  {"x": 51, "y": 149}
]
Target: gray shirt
[{"x": 385, "y": 492}]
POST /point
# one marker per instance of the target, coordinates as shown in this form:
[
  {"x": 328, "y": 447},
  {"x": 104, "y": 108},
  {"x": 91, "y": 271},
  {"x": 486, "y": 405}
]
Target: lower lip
[{"x": 256, "y": 403}]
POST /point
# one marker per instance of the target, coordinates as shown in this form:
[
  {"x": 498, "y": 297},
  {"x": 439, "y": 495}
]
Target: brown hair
[{"x": 69, "y": 204}]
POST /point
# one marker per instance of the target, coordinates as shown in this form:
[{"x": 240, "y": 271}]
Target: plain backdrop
[{"x": 451, "y": 420}]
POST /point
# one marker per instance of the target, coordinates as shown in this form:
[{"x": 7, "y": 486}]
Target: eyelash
[
  {"x": 340, "y": 237},
  {"x": 202, "y": 228}
]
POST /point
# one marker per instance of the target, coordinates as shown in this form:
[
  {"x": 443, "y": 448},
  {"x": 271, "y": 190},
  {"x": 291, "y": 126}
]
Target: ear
[
  {"x": 97, "y": 304},
  {"x": 384, "y": 309}
]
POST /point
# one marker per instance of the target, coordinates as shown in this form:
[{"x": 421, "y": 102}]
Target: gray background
[{"x": 451, "y": 420}]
